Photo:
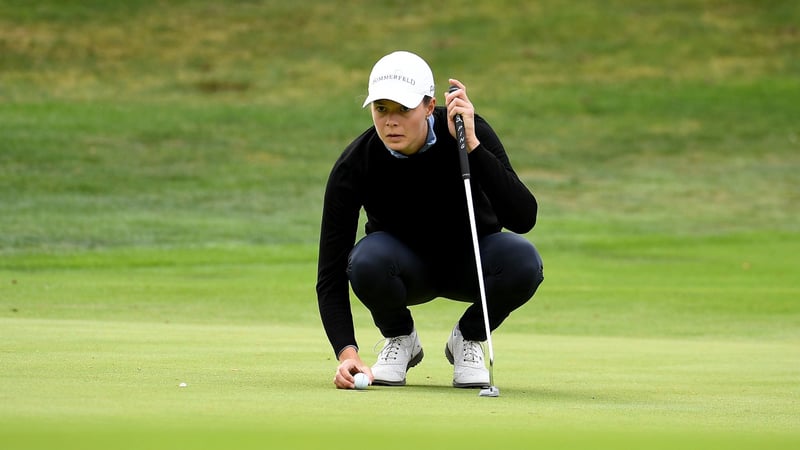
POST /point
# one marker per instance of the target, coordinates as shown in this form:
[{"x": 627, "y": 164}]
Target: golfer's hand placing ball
[
  {"x": 458, "y": 103},
  {"x": 352, "y": 373}
]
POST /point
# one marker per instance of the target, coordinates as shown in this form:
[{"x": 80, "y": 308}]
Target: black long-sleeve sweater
[{"x": 419, "y": 199}]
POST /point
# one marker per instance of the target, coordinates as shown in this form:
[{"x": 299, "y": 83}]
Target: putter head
[{"x": 491, "y": 391}]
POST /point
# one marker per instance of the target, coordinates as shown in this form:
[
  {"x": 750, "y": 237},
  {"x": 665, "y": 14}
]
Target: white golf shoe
[
  {"x": 467, "y": 360},
  {"x": 397, "y": 356}
]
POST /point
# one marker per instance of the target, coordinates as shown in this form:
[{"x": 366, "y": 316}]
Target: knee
[
  {"x": 534, "y": 267},
  {"x": 529, "y": 274},
  {"x": 521, "y": 265},
  {"x": 369, "y": 262}
]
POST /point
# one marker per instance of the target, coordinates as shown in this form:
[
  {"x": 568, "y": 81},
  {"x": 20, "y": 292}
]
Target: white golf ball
[
  {"x": 362, "y": 380},
  {"x": 182, "y": 385}
]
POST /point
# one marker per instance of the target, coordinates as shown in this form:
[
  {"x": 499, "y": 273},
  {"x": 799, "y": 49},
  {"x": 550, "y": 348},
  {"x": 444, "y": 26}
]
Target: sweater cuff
[{"x": 345, "y": 348}]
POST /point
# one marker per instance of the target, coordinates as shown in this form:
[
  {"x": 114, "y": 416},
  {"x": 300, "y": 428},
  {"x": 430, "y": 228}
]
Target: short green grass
[
  {"x": 161, "y": 173},
  {"x": 87, "y": 375}
]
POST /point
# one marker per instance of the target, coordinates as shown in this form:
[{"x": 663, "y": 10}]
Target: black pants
[{"x": 388, "y": 277}]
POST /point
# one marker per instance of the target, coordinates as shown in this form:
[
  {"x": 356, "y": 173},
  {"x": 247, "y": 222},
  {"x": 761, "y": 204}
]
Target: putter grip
[{"x": 461, "y": 139}]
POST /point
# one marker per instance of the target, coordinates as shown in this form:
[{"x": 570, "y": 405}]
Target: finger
[
  {"x": 456, "y": 83},
  {"x": 346, "y": 373},
  {"x": 368, "y": 371},
  {"x": 451, "y": 108},
  {"x": 450, "y": 96},
  {"x": 342, "y": 382},
  {"x": 455, "y": 108},
  {"x": 338, "y": 382}
]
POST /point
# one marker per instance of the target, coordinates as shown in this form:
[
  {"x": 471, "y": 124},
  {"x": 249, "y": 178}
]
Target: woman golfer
[{"x": 404, "y": 171}]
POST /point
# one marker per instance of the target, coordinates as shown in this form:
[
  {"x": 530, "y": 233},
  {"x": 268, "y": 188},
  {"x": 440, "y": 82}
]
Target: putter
[{"x": 492, "y": 390}]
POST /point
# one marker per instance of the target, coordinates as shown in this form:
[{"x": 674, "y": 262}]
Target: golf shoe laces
[
  {"x": 473, "y": 352},
  {"x": 390, "y": 349}
]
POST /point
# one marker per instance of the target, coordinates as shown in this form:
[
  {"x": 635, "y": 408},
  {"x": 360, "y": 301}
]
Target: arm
[
  {"x": 511, "y": 201},
  {"x": 337, "y": 236}
]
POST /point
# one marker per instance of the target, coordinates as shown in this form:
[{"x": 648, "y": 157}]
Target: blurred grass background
[
  {"x": 163, "y": 123},
  {"x": 659, "y": 139}
]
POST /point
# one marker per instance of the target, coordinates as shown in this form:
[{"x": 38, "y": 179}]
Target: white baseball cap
[{"x": 402, "y": 77}]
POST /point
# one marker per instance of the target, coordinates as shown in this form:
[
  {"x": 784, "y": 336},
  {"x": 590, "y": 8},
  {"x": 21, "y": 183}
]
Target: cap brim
[{"x": 408, "y": 99}]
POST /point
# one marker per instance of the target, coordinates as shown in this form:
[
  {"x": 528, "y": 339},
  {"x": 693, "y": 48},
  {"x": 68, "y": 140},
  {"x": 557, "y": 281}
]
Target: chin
[{"x": 397, "y": 148}]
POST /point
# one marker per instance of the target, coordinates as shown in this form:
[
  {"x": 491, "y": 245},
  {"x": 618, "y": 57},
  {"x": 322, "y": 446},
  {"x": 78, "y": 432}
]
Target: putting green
[{"x": 95, "y": 380}]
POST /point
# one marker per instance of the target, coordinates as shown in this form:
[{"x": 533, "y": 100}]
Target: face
[{"x": 402, "y": 129}]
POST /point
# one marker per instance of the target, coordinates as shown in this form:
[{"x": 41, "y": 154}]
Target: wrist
[{"x": 349, "y": 352}]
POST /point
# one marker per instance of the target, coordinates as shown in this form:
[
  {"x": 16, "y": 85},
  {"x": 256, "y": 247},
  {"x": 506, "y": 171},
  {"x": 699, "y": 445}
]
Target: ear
[{"x": 431, "y": 106}]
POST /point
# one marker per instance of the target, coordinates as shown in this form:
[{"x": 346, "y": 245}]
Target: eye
[
  {"x": 405, "y": 109},
  {"x": 380, "y": 108}
]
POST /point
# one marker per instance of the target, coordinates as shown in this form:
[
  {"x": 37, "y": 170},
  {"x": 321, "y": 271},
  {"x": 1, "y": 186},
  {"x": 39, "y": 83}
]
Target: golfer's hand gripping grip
[{"x": 461, "y": 138}]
